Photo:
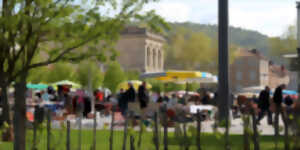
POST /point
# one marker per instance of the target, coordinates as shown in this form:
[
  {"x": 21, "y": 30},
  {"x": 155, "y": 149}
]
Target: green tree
[
  {"x": 62, "y": 30},
  {"x": 285, "y": 44},
  {"x": 59, "y": 72},
  {"x": 157, "y": 86},
  {"x": 89, "y": 74},
  {"x": 38, "y": 75},
  {"x": 190, "y": 49},
  {"x": 113, "y": 76},
  {"x": 132, "y": 75}
]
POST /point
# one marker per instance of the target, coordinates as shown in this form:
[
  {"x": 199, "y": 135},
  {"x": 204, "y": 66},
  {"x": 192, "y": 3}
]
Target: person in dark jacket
[
  {"x": 130, "y": 93},
  {"x": 264, "y": 105},
  {"x": 129, "y": 97},
  {"x": 278, "y": 99},
  {"x": 143, "y": 95},
  {"x": 288, "y": 101},
  {"x": 278, "y": 96}
]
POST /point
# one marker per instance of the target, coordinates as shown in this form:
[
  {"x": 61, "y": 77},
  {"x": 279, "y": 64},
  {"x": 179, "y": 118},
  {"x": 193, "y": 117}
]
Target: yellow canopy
[{"x": 179, "y": 76}]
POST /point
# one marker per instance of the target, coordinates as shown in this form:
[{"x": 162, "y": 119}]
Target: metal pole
[
  {"x": 223, "y": 89},
  {"x": 298, "y": 38}
]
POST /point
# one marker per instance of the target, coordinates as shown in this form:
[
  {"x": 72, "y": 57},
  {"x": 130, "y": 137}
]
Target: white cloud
[
  {"x": 270, "y": 17},
  {"x": 172, "y": 11}
]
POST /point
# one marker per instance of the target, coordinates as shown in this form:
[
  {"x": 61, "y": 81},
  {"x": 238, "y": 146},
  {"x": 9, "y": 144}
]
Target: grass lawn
[{"x": 209, "y": 141}]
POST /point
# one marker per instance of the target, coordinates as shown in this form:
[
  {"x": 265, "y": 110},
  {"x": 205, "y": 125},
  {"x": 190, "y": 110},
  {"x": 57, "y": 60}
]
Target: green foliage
[
  {"x": 168, "y": 87},
  {"x": 186, "y": 49},
  {"x": 192, "y": 86},
  {"x": 51, "y": 74},
  {"x": 238, "y": 36},
  {"x": 43, "y": 32},
  {"x": 89, "y": 72},
  {"x": 286, "y": 44},
  {"x": 58, "y": 72},
  {"x": 157, "y": 86},
  {"x": 113, "y": 76},
  {"x": 132, "y": 74}
]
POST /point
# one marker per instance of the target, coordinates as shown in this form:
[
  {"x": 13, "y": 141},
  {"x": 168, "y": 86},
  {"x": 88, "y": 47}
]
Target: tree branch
[{"x": 56, "y": 59}]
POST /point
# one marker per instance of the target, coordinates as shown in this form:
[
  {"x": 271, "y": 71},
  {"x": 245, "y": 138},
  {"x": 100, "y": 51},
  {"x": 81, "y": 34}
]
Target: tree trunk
[
  {"x": 20, "y": 114},
  {"x": 5, "y": 105},
  {"x": 6, "y": 117}
]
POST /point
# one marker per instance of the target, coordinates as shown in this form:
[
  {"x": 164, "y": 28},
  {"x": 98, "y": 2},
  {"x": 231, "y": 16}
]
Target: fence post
[
  {"x": 255, "y": 132},
  {"x": 140, "y": 134},
  {"x": 34, "y": 134},
  {"x": 111, "y": 139},
  {"x": 125, "y": 131},
  {"x": 165, "y": 123},
  {"x": 79, "y": 131},
  {"x": 156, "y": 139},
  {"x": 68, "y": 135},
  {"x": 198, "y": 130},
  {"x": 186, "y": 145},
  {"x": 132, "y": 142},
  {"x": 48, "y": 129},
  {"x": 95, "y": 131},
  {"x": 284, "y": 116}
]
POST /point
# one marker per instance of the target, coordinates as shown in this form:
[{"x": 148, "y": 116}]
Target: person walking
[{"x": 264, "y": 105}]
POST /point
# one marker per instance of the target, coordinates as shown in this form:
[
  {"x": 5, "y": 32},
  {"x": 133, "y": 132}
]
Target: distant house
[
  {"x": 141, "y": 50},
  {"x": 251, "y": 68}
]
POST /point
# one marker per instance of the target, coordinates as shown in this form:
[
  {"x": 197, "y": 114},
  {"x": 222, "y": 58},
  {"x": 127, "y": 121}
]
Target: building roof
[
  {"x": 134, "y": 30},
  {"x": 253, "y": 52},
  {"x": 278, "y": 70}
]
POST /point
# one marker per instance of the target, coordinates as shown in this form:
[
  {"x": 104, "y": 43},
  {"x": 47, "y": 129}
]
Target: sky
[{"x": 270, "y": 17}]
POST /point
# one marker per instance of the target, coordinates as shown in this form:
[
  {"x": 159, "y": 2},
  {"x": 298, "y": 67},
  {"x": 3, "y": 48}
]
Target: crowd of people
[{"x": 63, "y": 101}]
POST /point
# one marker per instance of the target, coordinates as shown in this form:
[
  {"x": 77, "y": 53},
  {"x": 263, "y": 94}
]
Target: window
[
  {"x": 148, "y": 57},
  {"x": 239, "y": 75},
  {"x": 252, "y": 75},
  {"x": 159, "y": 59},
  {"x": 154, "y": 63}
]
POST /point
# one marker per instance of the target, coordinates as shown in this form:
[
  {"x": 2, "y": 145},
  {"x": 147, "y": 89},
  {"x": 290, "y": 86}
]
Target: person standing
[
  {"x": 278, "y": 96},
  {"x": 278, "y": 99},
  {"x": 129, "y": 97},
  {"x": 264, "y": 105},
  {"x": 143, "y": 95},
  {"x": 143, "y": 98}
]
